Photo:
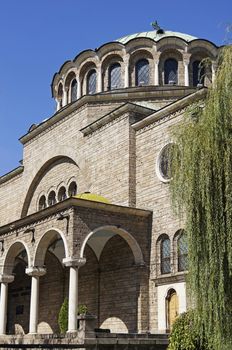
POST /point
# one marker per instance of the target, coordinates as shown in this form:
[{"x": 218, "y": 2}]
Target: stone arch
[
  {"x": 39, "y": 172},
  {"x": 176, "y": 55},
  {"x": 108, "y": 61},
  {"x": 133, "y": 244},
  {"x": 87, "y": 66},
  {"x": 44, "y": 243},
  {"x": 137, "y": 55},
  {"x": 12, "y": 252}
]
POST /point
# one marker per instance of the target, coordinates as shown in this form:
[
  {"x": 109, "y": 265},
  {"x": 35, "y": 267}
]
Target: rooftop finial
[{"x": 157, "y": 27}]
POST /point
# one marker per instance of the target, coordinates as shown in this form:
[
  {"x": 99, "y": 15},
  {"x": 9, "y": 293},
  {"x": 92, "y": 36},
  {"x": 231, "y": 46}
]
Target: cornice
[{"x": 11, "y": 174}]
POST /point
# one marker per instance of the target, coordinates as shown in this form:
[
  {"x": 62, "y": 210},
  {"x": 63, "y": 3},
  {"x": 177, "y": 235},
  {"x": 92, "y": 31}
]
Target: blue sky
[{"x": 37, "y": 36}]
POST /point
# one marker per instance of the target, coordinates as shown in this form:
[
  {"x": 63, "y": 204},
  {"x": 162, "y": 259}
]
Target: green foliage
[
  {"x": 63, "y": 317},
  {"x": 184, "y": 335},
  {"x": 82, "y": 309},
  {"x": 202, "y": 192}
]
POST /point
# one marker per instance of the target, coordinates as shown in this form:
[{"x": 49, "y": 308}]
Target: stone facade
[{"x": 116, "y": 249}]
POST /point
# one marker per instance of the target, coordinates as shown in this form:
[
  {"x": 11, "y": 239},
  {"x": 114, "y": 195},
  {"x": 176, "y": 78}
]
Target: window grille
[
  {"x": 198, "y": 73},
  {"x": 182, "y": 246},
  {"x": 165, "y": 256},
  {"x": 165, "y": 161},
  {"x": 115, "y": 76},
  {"x": 72, "y": 190},
  {"x": 51, "y": 198},
  {"x": 142, "y": 72},
  {"x": 74, "y": 90},
  {"x": 92, "y": 82},
  {"x": 170, "y": 71},
  {"x": 42, "y": 203},
  {"x": 62, "y": 194}
]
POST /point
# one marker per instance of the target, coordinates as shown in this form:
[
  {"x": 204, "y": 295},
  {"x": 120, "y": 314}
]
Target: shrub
[{"x": 63, "y": 317}]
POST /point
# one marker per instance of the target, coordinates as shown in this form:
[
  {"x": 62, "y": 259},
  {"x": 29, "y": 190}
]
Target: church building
[{"x": 87, "y": 216}]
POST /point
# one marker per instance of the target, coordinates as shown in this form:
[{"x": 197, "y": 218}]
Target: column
[
  {"x": 74, "y": 264},
  {"x": 35, "y": 273},
  {"x": 214, "y": 68},
  {"x": 57, "y": 104},
  {"x": 65, "y": 97},
  {"x": 186, "y": 73},
  {"x": 156, "y": 72},
  {"x": 99, "y": 79},
  {"x": 4, "y": 279},
  {"x": 78, "y": 88},
  {"x": 126, "y": 68}
]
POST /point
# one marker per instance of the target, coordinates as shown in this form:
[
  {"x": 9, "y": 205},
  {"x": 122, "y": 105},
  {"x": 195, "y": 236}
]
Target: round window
[{"x": 164, "y": 163}]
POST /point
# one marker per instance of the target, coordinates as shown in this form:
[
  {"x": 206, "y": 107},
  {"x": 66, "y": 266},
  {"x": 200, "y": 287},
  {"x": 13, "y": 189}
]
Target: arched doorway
[
  {"x": 19, "y": 291},
  {"x": 108, "y": 283},
  {"x": 172, "y": 309},
  {"x": 53, "y": 286}
]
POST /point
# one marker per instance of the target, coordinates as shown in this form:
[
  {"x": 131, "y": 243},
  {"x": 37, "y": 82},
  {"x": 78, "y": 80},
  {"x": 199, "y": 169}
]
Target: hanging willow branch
[{"x": 202, "y": 189}]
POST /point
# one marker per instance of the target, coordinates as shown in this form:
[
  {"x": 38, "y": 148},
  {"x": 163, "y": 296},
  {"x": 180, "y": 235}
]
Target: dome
[
  {"x": 156, "y": 36},
  {"x": 92, "y": 197}
]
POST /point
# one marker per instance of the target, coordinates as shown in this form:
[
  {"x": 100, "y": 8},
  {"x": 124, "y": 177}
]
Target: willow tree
[{"x": 202, "y": 189}]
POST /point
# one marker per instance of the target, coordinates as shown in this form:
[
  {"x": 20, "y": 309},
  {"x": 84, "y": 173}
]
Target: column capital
[
  {"x": 35, "y": 271},
  {"x": 186, "y": 58},
  {"x": 74, "y": 262},
  {"x": 6, "y": 278}
]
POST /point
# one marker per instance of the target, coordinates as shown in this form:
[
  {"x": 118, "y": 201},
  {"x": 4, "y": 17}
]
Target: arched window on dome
[
  {"x": 165, "y": 256},
  {"x": 72, "y": 190},
  {"x": 115, "y": 76},
  {"x": 73, "y": 90},
  {"x": 42, "y": 202},
  {"x": 62, "y": 194},
  {"x": 198, "y": 73},
  {"x": 142, "y": 72},
  {"x": 51, "y": 198},
  {"x": 91, "y": 82},
  {"x": 171, "y": 71},
  {"x": 182, "y": 252}
]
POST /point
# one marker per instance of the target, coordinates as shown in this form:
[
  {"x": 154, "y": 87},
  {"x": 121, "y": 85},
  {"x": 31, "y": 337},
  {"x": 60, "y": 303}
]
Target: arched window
[
  {"x": 51, "y": 198},
  {"x": 198, "y": 73},
  {"x": 42, "y": 203},
  {"x": 170, "y": 71},
  {"x": 62, "y": 194},
  {"x": 165, "y": 256},
  {"x": 92, "y": 82},
  {"x": 165, "y": 162},
  {"x": 115, "y": 76},
  {"x": 182, "y": 250},
  {"x": 142, "y": 72},
  {"x": 74, "y": 90},
  {"x": 72, "y": 190}
]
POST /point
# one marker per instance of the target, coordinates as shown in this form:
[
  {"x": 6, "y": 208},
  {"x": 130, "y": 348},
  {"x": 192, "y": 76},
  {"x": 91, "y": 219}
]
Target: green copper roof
[{"x": 154, "y": 36}]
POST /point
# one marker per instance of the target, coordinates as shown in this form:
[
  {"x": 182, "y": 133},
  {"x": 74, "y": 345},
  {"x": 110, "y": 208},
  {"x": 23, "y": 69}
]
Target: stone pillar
[
  {"x": 4, "y": 279},
  {"x": 65, "y": 97},
  {"x": 126, "y": 69},
  {"x": 57, "y": 104},
  {"x": 186, "y": 60},
  {"x": 78, "y": 87},
  {"x": 35, "y": 273},
  {"x": 156, "y": 56},
  {"x": 73, "y": 264},
  {"x": 214, "y": 69},
  {"x": 99, "y": 79}
]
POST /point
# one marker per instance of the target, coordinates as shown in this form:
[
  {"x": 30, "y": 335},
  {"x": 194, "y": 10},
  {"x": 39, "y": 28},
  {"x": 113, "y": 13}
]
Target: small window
[
  {"x": 198, "y": 73},
  {"x": 74, "y": 90},
  {"x": 51, "y": 198},
  {"x": 115, "y": 76},
  {"x": 171, "y": 71},
  {"x": 60, "y": 94},
  {"x": 72, "y": 190},
  {"x": 164, "y": 164},
  {"x": 142, "y": 72},
  {"x": 42, "y": 203},
  {"x": 92, "y": 82},
  {"x": 62, "y": 194},
  {"x": 165, "y": 256},
  {"x": 182, "y": 247}
]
